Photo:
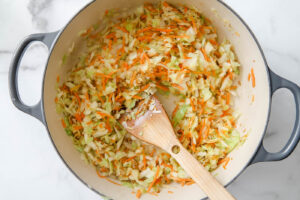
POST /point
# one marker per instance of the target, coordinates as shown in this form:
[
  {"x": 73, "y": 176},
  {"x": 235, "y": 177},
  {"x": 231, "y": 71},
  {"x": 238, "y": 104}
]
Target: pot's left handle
[{"x": 36, "y": 110}]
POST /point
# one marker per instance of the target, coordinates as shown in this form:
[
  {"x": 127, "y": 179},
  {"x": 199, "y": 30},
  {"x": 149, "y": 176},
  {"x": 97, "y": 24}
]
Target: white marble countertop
[{"x": 30, "y": 167}]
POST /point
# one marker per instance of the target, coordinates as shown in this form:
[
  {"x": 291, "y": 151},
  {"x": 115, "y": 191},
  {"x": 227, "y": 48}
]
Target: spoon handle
[{"x": 209, "y": 185}]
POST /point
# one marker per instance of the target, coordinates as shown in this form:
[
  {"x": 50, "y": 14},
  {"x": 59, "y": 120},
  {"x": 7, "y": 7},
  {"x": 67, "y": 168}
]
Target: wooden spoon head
[{"x": 153, "y": 126}]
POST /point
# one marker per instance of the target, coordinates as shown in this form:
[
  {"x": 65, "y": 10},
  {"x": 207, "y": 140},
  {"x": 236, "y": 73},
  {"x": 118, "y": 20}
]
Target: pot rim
[{"x": 227, "y": 7}]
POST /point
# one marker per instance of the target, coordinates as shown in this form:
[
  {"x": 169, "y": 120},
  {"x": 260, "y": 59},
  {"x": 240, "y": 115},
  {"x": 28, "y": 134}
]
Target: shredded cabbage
[{"x": 129, "y": 57}]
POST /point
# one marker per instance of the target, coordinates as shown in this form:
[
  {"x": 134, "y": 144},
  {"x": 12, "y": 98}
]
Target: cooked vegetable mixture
[{"x": 155, "y": 48}]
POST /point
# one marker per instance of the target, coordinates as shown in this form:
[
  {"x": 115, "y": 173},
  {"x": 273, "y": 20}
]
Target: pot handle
[
  {"x": 36, "y": 110},
  {"x": 262, "y": 155}
]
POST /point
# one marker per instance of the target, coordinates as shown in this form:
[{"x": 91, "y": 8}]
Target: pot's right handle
[
  {"x": 262, "y": 154},
  {"x": 36, "y": 110}
]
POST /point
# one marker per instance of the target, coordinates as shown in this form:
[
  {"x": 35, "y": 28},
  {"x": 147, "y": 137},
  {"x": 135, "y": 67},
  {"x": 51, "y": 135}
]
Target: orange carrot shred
[
  {"x": 132, "y": 78},
  {"x": 106, "y": 178},
  {"x": 87, "y": 96},
  {"x": 122, "y": 29},
  {"x": 193, "y": 105},
  {"x": 194, "y": 24},
  {"x": 57, "y": 79},
  {"x": 144, "y": 87},
  {"x": 137, "y": 97},
  {"x": 177, "y": 86},
  {"x": 205, "y": 55},
  {"x": 227, "y": 98},
  {"x": 226, "y": 163},
  {"x": 144, "y": 30},
  {"x": 138, "y": 194},
  {"x": 162, "y": 87},
  {"x": 107, "y": 126},
  {"x": 253, "y": 77},
  {"x": 104, "y": 114},
  {"x": 165, "y": 4},
  {"x": 154, "y": 179},
  {"x": 63, "y": 123},
  {"x": 170, "y": 192},
  {"x": 144, "y": 161},
  {"x": 103, "y": 75},
  {"x": 185, "y": 9},
  {"x": 163, "y": 30}
]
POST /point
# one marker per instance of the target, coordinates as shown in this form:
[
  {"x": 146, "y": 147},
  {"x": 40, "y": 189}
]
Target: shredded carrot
[
  {"x": 57, "y": 79},
  {"x": 144, "y": 30},
  {"x": 103, "y": 75},
  {"x": 107, "y": 126},
  {"x": 179, "y": 36},
  {"x": 177, "y": 86},
  {"x": 138, "y": 194},
  {"x": 137, "y": 97},
  {"x": 103, "y": 83},
  {"x": 106, "y": 178},
  {"x": 213, "y": 42},
  {"x": 175, "y": 110},
  {"x": 193, "y": 105},
  {"x": 86, "y": 32},
  {"x": 144, "y": 88},
  {"x": 253, "y": 77},
  {"x": 79, "y": 116},
  {"x": 193, "y": 147},
  {"x": 111, "y": 35},
  {"x": 102, "y": 114},
  {"x": 76, "y": 128},
  {"x": 153, "y": 193},
  {"x": 154, "y": 179},
  {"x": 169, "y": 166},
  {"x": 190, "y": 183},
  {"x": 129, "y": 159},
  {"x": 153, "y": 151},
  {"x": 194, "y": 24},
  {"x": 78, "y": 98},
  {"x": 165, "y": 154},
  {"x": 163, "y": 30},
  {"x": 122, "y": 29},
  {"x": 205, "y": 55},
  {"x": 63, "y": 123},
  {"x": 185, "y": 9},
  {"x": 170, "y": 192},
  {"x": 230, "y": 74},
  {"x": 150, "y": 7},
  {"x": 227, "y": 98},
  {"x": 165, "y": 4},
  {"x": 87, "y": 96},
  {"x": 223, "y": 160},
  {"x": 144, "y": 161},
  {"x": 162, "y": 87},
  {"x": 56, "y": 100},
  {"x": 226, "y": 163},
  {"x": 132, "y": 78}
]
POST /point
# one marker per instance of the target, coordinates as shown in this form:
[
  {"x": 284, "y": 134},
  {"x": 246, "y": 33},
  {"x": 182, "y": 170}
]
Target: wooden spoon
[{"x": 154, "y": 127}]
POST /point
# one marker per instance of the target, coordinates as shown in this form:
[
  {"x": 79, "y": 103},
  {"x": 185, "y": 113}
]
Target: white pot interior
[{"x": 252, "y": 121}]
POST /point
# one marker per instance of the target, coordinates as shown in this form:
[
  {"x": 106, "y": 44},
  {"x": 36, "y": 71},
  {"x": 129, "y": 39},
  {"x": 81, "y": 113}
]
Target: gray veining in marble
[{"x": 30, "y": 167}]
